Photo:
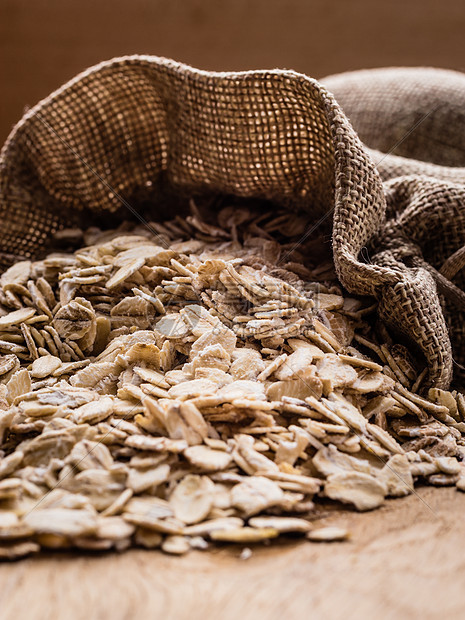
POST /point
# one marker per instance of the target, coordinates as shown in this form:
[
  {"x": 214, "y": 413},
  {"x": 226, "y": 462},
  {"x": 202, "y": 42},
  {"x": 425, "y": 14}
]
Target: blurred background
[{"x": 44, "y": 43}]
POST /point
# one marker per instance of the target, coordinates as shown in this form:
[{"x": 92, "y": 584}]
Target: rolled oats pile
[{"x": 201, "y": 380}]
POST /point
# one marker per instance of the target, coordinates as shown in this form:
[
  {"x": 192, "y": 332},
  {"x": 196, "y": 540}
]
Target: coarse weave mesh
[{"x": 148, "y": 125}]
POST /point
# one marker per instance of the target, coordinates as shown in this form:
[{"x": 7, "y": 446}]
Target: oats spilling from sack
[{"x": 203, "y": 385}]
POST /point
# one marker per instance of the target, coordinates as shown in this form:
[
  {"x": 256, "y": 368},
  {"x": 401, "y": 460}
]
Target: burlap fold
[{"x": 140, "y": 126}]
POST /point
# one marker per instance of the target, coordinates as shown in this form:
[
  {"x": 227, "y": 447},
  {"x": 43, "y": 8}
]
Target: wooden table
[{"x": 405, "y": 560}]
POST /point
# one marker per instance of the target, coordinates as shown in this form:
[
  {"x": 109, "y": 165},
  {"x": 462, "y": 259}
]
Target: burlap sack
[{"x": 150, "y": 127}]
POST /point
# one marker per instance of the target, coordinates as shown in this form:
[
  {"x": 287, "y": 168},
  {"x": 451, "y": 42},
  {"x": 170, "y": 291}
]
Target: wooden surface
[{"x": 405, "y": 560}]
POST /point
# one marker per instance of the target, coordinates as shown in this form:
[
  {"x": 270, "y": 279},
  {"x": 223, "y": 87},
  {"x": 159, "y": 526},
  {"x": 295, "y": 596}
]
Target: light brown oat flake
[
  {"x": 208, "y": 459},
  {"x": 244, "y": 534},
  {"x": 365, "y": 492},
  {"x": 61, "y": 521},
  {"x": 282, "y": 524},
  {"x": 45, "y": 366},
  {"x": 330, "y": 533},
  {"x": 18, "y": 550},
  {"x": 192, "y": 499},
  {"x": 256, "y": 494},
  {"x": 175, "y": 545}
]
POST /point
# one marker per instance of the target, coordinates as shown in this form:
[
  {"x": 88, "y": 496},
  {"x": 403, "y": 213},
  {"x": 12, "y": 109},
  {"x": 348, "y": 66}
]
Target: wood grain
[{"x": 404, "y": 561}]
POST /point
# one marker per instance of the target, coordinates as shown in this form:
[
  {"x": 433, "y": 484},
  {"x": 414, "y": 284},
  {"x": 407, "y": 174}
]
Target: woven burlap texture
[{"x": 144, "y": 124}]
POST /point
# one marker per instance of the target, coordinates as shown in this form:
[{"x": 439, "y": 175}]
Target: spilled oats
[{"x": 172, "y": 391}]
